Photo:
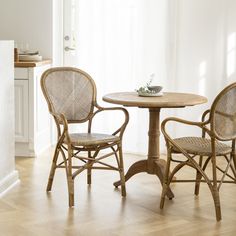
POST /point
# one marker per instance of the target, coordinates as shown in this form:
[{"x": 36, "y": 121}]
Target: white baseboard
[
  {"x": 9, "y": 182},
  {"x": 23, "y": 150}
]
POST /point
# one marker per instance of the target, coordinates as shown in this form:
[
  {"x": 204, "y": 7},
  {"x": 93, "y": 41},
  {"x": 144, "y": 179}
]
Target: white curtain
[
  {"x": 205, "y": 55},
  {"x": 120, "y": 44},
  {"x": 189, "y": 45}
]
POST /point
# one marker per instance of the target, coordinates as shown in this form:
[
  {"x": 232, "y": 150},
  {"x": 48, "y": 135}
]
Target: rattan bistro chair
[
  {"x": 218, "y": 126},
  {"x": 71, "y": 98}
]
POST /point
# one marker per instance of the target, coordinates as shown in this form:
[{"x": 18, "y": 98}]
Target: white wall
[
  {"x": 8, "y": 175},
  {"x": 28, "y": 21},
  {"x": 205, "y": 50}
]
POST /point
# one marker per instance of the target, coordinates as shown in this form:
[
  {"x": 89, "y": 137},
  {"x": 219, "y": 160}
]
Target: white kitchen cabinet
[
  {"x": 21, "y": 110},
  {"x": 32, "y": 121}
]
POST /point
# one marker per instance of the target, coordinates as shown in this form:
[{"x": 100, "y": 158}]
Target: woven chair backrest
[
  {"x": 223, "y": 114},
  {"x": 69, "y": 91}
]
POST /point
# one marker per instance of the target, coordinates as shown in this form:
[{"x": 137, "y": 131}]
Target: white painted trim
[{"x": 7, "y": 183}]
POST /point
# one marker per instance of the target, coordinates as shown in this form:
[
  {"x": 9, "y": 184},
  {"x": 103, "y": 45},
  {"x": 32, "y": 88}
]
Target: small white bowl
[{"x": 155, "y": 89}]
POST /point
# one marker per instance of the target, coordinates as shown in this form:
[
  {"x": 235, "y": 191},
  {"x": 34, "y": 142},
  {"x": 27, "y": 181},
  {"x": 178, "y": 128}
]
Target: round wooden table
[{"x": 153, "y": 164}]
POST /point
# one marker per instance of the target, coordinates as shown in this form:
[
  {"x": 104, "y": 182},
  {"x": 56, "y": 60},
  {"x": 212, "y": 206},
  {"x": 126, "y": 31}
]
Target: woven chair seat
[
  {"x": 200, "y": 146},
  {"x": 91, "y": 139}
]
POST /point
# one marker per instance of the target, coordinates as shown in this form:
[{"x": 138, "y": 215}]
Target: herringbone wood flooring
[{"x": 28, "y": 210}]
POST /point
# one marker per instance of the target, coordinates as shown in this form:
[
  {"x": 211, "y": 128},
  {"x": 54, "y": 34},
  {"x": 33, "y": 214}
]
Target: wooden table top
[
  {"x": 32, "y": 63},
  {"x": 168, "y": 100}
]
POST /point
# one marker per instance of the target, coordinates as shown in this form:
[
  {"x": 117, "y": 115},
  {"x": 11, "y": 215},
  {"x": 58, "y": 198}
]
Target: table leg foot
[
  {"x": 160, "y": 165},
  {"x": 137, "y": 167},
  {"x": 142, "y": 166}
]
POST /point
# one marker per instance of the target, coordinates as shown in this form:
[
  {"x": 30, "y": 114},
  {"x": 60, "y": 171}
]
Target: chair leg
[
  {"x": 165, "y": 184},
  {"x": 53, "y": 169},
  {"x": 198, "y": 178},
  {"x": 70, "y": 190},
  {"x": 121, "y": 171},
  {"x": 89, "y": 170},
  {"x": 215, "y": 192},
  {"x": 70, "y": 180},
  {"x": 234, "y": 161},
  {"x": 216, "y": 198}
]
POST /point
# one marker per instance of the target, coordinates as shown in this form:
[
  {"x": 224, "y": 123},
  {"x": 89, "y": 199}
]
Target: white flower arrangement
[
  {"x": 148, "y": 90},
  {"x": 145, "y": 88}
]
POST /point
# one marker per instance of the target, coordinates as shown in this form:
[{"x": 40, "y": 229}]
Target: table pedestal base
[{"x": 142, "y": 166}]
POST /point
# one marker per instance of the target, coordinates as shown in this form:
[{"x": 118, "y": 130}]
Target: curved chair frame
[
  {"x": 71, "y": 151},
  {"x": 207, "y": 125}
]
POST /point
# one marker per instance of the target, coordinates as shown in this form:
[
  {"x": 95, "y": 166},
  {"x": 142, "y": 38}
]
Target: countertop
[{"x": 32, "y": 63}]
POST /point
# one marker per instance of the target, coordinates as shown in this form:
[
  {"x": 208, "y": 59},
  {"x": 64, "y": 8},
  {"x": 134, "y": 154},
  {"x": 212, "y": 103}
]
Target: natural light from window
[
  {"x": 231, "y": 54},
  {"x": 202, "y": 75}
]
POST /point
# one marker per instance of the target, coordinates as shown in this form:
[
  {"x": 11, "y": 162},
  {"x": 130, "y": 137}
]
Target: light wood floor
[{"x": 28, "y": 210}]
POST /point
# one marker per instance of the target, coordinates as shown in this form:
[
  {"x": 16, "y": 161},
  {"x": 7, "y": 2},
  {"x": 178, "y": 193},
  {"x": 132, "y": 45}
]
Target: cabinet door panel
[{"x": 21, "y": 111}]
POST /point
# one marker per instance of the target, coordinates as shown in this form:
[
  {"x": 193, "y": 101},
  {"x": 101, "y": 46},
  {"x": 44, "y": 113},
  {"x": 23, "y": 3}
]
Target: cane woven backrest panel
[
  {"x": 224, "y": 114},
  {"x": 70, "y": 92}
]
